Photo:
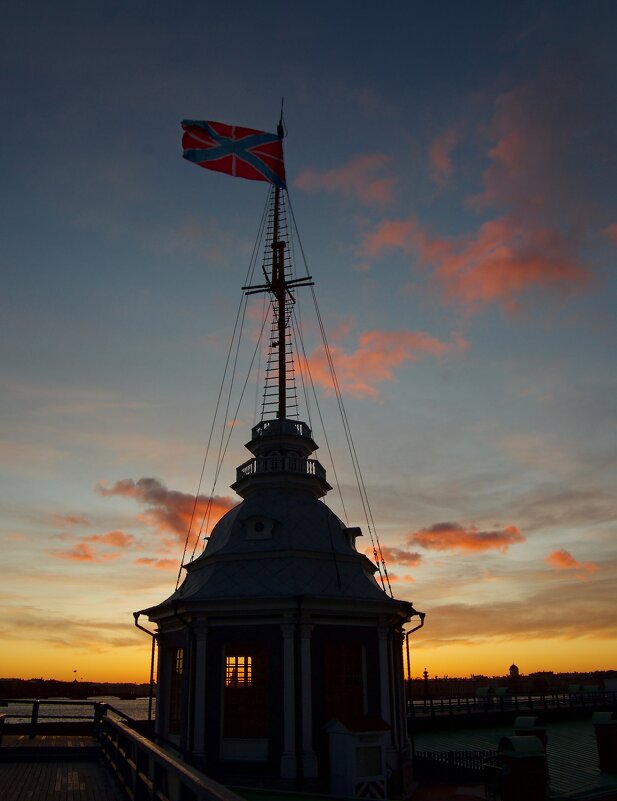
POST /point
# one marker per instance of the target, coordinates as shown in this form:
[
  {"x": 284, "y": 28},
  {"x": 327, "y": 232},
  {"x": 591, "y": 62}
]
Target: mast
[
  {"x": 280, "y": 288},
  {"x": 279, "y": 291}
]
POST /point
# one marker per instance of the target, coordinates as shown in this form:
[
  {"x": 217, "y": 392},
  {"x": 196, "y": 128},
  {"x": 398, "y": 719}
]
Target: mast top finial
[{"x": 280, "y": 128}]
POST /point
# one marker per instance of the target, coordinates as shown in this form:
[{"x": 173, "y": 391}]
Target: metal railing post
[{"x": 34, "y": 718}]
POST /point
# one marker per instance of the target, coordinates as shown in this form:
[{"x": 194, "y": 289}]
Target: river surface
[{"x": 136, "y": 708}]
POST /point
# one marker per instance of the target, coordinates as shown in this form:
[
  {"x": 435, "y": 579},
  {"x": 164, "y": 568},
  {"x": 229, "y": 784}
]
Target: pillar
[
  {"x": 384, "y": 673},
  {"x": 309, "y": 758},
  {"x": 199, "y": 684},
  {"x": 288, "y": 760}
]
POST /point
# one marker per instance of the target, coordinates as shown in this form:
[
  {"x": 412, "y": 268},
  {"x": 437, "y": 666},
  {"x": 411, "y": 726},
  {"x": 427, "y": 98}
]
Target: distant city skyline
[{"x": 452, "y": 171}]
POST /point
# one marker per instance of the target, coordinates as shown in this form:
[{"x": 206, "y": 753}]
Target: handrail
[
  {"x": 147, "y": 772},
  {"x": 429, "y": 705},
  {"x": 277, "y": 427},
  {"x": 280, "y": 464},
  {"x": 36, "y": 718}
]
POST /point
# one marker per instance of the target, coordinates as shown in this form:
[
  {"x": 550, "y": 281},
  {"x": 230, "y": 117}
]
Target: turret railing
[
  {"x": 269, "y": 428},
  {"x": 281, "y": 464}
]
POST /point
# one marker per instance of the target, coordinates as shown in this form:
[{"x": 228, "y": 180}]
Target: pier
[{"x": 488, "y": 709}]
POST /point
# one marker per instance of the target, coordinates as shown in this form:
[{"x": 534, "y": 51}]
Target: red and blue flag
[{"x": 242, "y": 152}]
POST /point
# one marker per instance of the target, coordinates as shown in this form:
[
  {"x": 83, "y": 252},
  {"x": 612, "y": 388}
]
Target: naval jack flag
[{"x": 242, "y": 152}]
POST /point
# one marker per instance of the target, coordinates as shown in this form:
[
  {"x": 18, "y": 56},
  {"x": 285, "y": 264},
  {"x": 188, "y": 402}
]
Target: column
[
  {"x": 288, "y": 760},
  {"x": 199, "y": 688},
  {"x": 309, "y": 759},
  {"x": 384, "y": 672}
]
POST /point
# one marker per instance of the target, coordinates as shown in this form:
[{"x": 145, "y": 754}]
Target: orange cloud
[
  {"x": 399, "y": 555},
  {"x": 373, "y": 362},
  {"x": 440, "y": 156},
  {"x": 169, "y": 510},
  {"x": 159, "y": 564},
  {"x": 407, "y": 579},
  {"x": 83, "y": 553},
  {"x": 563, "y": 560},
  {"x": 359, "y": 179},
  {"x": 116, "y": 538},
  {"x": 453, "y": 536},
  {"x": 70, "y": 520}
]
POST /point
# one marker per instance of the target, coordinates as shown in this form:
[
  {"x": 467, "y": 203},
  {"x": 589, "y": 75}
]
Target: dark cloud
[{"x": 170, "y": 510}]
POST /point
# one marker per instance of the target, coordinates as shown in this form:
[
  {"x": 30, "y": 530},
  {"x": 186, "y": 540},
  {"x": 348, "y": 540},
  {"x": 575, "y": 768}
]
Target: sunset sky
[{"x": 452, "y": 169}]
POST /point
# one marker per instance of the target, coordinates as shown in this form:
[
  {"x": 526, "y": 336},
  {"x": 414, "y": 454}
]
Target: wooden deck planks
[
  {"x": 47, "y": 741},
  {"x": 56, "y": 781}
]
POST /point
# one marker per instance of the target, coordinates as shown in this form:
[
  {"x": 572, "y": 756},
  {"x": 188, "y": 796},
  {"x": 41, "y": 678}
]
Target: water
[
  {"x": 136, "y": 708},
  {"x": 571, "y": 751}
]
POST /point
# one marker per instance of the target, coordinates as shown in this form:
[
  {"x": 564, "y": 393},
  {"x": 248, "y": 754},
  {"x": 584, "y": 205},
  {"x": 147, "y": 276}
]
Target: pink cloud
[
  {"x": 529, "y": 170},
  {"x": 611, "y": 233},
  {"x": 563, "y": 560},
  {"x": 538, "y": 199},
  {"x": 500, "y": 263},
  {"x": 360, "y": 179},
  {"x": 454, "y": 536},
  {"x": 376, "y": 357},
  {"x": 169, "y": 510},
  {"x": 390, "y": 235},
  {"x": 440, "y": 156}
]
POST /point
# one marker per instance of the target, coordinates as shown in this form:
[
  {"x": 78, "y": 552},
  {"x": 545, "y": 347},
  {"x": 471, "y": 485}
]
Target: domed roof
[
  {"x": 277, "y": 544},
  {"x": 281, "y": 541}
]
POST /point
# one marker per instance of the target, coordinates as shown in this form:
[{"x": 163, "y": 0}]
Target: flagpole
[{"x": 280, "y": 291}]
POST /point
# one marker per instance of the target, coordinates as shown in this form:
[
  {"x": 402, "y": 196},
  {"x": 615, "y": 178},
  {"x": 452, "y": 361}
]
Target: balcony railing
[
  {"x": 147, "y": 772},
  {"x": 281, "y": 464}
]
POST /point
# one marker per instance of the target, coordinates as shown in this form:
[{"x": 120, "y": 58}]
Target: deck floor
[
  {"x": 48, "y": 741},
  {"x": 52, "y": 778},
  {"x": 56, "y": 781}
]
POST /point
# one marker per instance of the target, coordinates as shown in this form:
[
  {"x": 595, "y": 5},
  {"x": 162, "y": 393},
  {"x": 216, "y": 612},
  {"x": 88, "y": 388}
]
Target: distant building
[{"x": 514, "y": 673}]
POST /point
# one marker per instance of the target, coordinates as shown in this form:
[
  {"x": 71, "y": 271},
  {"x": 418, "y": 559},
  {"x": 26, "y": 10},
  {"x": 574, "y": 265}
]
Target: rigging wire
[
  {"x": 218, "y": 470},
  {"x": 376, "y": 545},
  {"x": 377, "y": 552},
  {"x": 296, "y": 320},
  {"x": 323, "y": 427},
  {"x": 250, "y": 271}
]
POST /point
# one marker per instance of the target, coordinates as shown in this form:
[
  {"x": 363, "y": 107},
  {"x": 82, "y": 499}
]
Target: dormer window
[
  {"x": 351, "y": 533},
  {"x": 258, "y": 527}
]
